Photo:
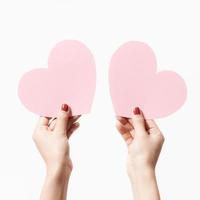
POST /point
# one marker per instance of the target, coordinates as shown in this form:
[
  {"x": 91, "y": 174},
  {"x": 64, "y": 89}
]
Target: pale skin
[
  {"x": 51, "y": 138},
  {"x": 143, "y": 138},
  {"x": 144, "y": 141}
]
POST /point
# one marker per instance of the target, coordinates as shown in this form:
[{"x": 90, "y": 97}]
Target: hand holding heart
[{"x": 71, "y": 78}]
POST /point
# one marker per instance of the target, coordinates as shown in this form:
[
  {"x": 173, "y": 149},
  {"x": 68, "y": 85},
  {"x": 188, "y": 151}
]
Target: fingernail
[
  {"x": 64, "y": 107},
  {"x": 136, "y": 111}
]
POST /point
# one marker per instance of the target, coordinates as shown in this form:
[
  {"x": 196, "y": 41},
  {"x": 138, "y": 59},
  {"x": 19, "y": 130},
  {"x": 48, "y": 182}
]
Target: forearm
[
  {"x": 55, "y": 187},
  {"x": 144, "y": 185}
]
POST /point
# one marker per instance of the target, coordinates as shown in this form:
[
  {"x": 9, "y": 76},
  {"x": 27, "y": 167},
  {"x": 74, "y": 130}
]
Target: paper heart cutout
[
  {"x": 134, "y": 82},
  {"x": 70, "y": 78}
]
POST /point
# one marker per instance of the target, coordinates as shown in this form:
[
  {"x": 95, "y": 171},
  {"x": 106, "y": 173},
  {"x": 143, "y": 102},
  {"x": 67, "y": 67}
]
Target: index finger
[
  {"x": 151, "y": 125},
  {"x": 43, "y": 121}
]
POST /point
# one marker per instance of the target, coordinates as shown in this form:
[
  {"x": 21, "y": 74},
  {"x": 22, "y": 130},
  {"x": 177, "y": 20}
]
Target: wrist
[
  {"x": 142, "y": 172},
  {"x": 144, "y": 184},
  {"x": 57, "y": 178},
  {"x": 60, "y": 172}
]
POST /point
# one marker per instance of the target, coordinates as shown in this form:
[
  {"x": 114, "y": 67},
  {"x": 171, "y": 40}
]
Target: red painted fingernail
[
  {"x": 64, "y": 107},
  {"x": 136, "y": 111}
]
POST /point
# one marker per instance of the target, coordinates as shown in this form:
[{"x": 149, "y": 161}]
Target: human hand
[
  {"x": 144, "y": 141},
  {"x": 51, "y": 138}
]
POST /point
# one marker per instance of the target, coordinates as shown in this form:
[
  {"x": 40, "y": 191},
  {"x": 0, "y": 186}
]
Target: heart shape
[
  {"x": 134, "y": 82},
  {"x": 70, "y": 78}
]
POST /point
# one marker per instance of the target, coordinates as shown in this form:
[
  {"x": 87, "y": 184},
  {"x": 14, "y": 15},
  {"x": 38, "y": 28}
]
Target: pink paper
[
  {"x": 135, "y": 82},
  {"x": 70, "y": 78}
]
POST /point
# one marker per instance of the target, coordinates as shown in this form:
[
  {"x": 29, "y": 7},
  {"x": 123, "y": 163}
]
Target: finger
[
  {"x": 131, "y": 124},
  {"x": 123, "y": 131},
  {"x": 75, "y": 118},
  {"x": 151, "y": 126},
  {"x": 72, "y": 120},
  {"x": 129, "y": 141},
  {"x": 138, "y": 122},
  {"x": 73, "y": 128},
  {"x": 52, "y": 119},
  {"x": 121, "y": 128},
  {"x": 128, "y": 126},
  {"x": 62, "y": 119},
  {"x": 125, "y": 122},
  {"x": 52, "y": 124},
  {"x": 43, "y": 122}
]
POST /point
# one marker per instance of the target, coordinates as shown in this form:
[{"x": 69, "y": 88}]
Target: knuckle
[{"x": 161, "y": 137}]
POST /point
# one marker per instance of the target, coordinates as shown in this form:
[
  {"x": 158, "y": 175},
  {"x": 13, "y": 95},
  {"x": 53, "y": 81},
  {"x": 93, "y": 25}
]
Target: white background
[{"x": 29, "y": 29}]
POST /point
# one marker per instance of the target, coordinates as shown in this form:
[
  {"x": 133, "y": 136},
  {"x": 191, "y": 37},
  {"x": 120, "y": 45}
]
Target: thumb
[
  {"x": 138, "y": 121},
  {"x": 62, "y": 119}
]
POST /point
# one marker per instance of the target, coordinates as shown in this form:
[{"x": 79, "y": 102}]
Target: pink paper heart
[
  {"x": 135, "y": 82},
  {"x": 70, "y": 78}
]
